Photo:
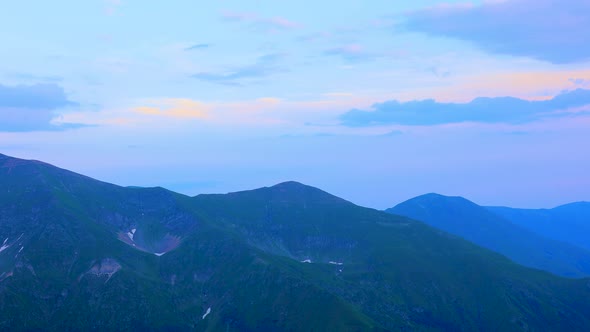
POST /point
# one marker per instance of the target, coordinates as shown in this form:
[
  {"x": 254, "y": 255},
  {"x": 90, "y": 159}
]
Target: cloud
[
  {"x": 269, "y": 100},
  {"x": 548, "y": 30},
  {"x": 438, "y": 71},
  {"x": 111, "y": 6},
  {"x": 28, "y": 77},
  {"x": 187, "y": 113},
  {"x": 38, "y": 96},
  {"x": 321, "y": 36},
  {"x": 351, "y": 52},
  {"x": 268, "y": 24},
  {"x": 354, "y": 52},
  {"x": 580, "y": 82},
  {"x": 175, "y": 108},
  {"x": 338, "y": 94},
  {"x": 482, "y": 109},
  {"x": 32, "y": 107},
  {"x": 238, "y": 17},
  {"x": 264, "y": 66},
  {"x": 197, "y": 47}
]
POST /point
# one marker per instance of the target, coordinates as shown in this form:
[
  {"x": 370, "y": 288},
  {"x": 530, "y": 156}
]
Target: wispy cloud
[
  {"x": 338, "y": 94},
  {"x": 264, "y": 66},
  {"x": 355, "y": 52},
  {"x": 32, "y": 107},
  {"x": 321, "y": 36},
  {"x": 111, "y": 6},
  {"x": 549, "y": 30},
  {"x": 185, "y": 113},
  {"x": 439, "y": 71},
  {"x": 269, "y": 24},
  {"x": 485, "y": 110},
  {"x": 530, "y": 85},
  {"x": 238, "y": 16},
  {"x": 580, "y": 82},
  {"x": 115, "y": 64},
  {"x": 175, "y": 108},
  {"x": 351, "y": 52},
  {"x": 197, "y": 47},
  {"x": 35, "y": 78}
]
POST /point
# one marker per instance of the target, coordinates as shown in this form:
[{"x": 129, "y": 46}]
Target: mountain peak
[
  {"x": 292, "y": 192},
  {"x": 294, "y": 189},
  {"x": 291, "y": 185},
  {"x": 428, "y": 206},
  {"x": 434, "y": 198}
]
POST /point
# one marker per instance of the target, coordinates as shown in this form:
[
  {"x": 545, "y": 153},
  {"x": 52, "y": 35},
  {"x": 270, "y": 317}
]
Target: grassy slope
[
  {"x": 402, "y": 273},
  {"x": 70, "y": 223},
  {"x": 240, "y": 255}
]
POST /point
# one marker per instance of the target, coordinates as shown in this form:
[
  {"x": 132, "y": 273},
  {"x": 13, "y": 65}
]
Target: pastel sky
[{"x": 374, "y": 101}]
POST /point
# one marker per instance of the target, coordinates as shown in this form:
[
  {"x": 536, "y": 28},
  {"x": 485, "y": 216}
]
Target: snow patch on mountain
[
  {"x": 131, "y": 233},
  {"x": 5, "y": 275},
  {"x": 4, "y": 245},
  {"x": 158, "y": 247},
  {"x": 106, "y": 267},
  {"x": 207, "y": 312}
]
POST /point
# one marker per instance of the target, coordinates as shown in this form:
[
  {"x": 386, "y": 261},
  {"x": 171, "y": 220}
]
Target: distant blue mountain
[
  {"x": 568, "y": 223},
  {"x": 461, "y": 217}
]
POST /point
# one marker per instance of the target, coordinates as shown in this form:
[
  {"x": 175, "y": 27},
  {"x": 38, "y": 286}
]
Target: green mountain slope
[
  {"x": 472, "y": 222},
  {"x": 69, "y": 263},
  {"x": 82, "y": 254},
  {"x": 402, "y": 273}
]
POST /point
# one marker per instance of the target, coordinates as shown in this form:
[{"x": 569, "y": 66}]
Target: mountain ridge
[
  {"x": 569, "y": 223},
  {"x": 464, "y": 218},
  {"x": 254, "y": 260}
]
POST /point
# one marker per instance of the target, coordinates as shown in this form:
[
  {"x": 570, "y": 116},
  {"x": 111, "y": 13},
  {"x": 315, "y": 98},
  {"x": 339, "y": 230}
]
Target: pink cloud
[
  {"x": 352, "y": 52},
  {"x": 236, "y": 16},
  {"x": 272, "y": 24},
  {"x": 283, "y": 22},
  {"x": 111, "y": 6}
]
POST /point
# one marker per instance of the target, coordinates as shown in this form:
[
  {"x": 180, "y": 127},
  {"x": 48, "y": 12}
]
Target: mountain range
[
  {"x": 568, "y": 223},
  {"x": 507, "y": 236},
  {"x": 81, "y": 254}
]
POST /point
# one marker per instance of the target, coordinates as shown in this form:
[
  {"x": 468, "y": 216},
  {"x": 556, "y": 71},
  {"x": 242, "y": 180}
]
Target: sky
[{"x": 373, "y": 101}]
